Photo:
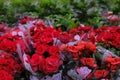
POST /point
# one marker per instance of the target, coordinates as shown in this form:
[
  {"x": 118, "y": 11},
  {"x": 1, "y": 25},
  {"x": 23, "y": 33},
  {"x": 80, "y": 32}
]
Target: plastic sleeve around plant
[
  {"x": 24, "y": 59},
  {"x": 105, "y": 53},
  {"x": 27, "y": 65},
  {"x": 19, "y": 50}
]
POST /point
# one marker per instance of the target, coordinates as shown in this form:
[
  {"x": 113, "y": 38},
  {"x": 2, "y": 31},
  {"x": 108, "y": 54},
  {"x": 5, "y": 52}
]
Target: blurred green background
[{"x": 63, "y": 13}]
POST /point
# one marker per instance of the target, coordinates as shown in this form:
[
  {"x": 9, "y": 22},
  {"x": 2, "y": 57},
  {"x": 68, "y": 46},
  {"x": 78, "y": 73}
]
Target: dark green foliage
[{"x": 64, "y": 13}]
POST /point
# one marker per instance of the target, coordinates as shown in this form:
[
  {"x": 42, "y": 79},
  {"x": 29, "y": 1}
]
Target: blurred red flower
[
  {"x": 5, "y": 76},
  {"x": 88, "y": 62},
  {"x": 52, "y": 64}
]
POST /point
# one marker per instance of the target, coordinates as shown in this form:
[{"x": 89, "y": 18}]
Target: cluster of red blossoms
[
  {"x": 5, "y": 75},
  {"x": 43, "y": 34},
  {"x": 82, "y": 52},
  {"x": 8, "y": 66},
  {"x": 99, "y": 74},
  {"x": 112, "y": 63},
  {"x": 13, "y": 37},
  {"x": 79, "y": 49},
  {"x": 109, "y": 36},
  {"x": 50, "y": 50},
  {"x": 46, "y": 59}
]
